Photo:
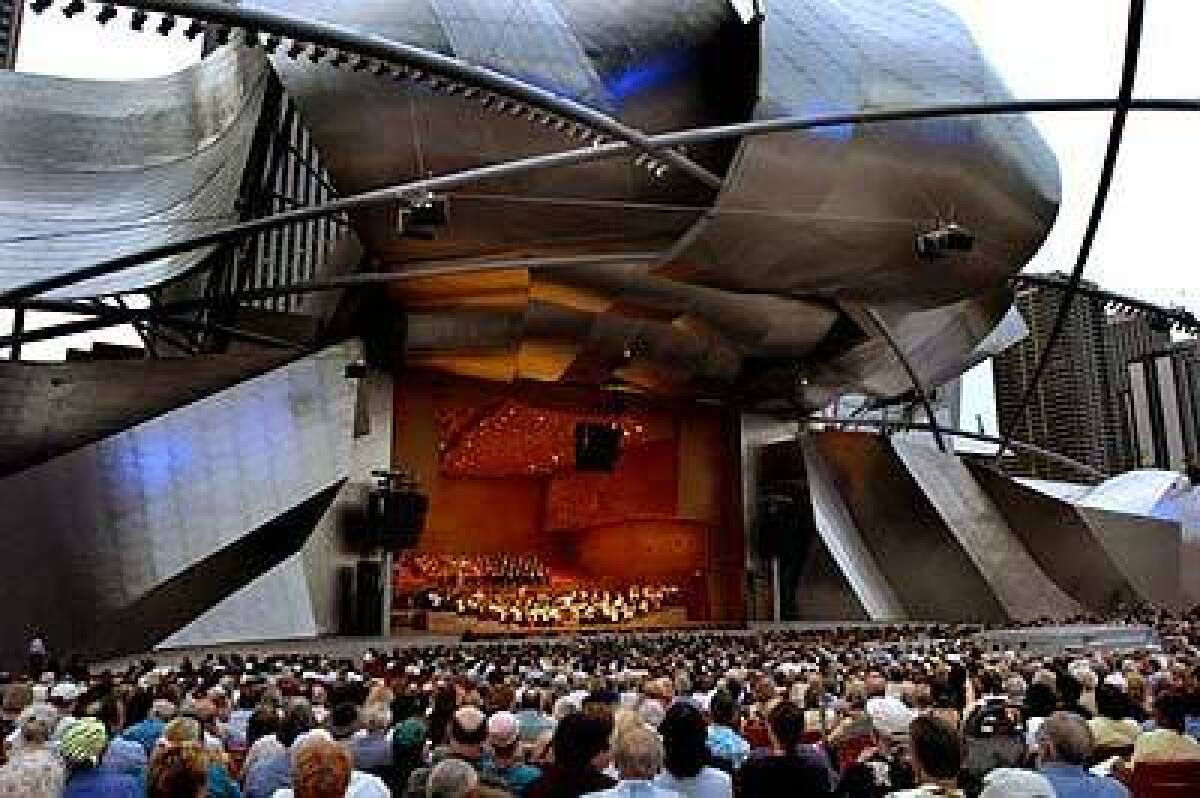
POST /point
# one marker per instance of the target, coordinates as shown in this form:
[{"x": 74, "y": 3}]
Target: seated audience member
[
  {"x": 312, "y": 749},
  {"x": 534, "y": 722},
  {"x": 320, "y": 769},
  {"x": 147, "y": 731},
  {"x": 1112, "y": 727},
  {"x": 273, "y": 770},
  {"x": 452, "y": 778},
  {"x": 1070, "y": 693},
  {"x": 371, "y": 748},
  {"x": 638, "y": 757},
  {"x": 261, "y": 737},
  {"x": 1064, "y": 748},
  {"x": 187, "y": 731},
  {"x": 1016, "y": 783},
  {"x": 723, "y": 739},
  {"x": 33, "y": 770},
  {"x": 81, "y": 746},
  {"x": 1168, "y": 741},
  {"x": 504, "y": 738},
  {"x": 121, "y": 756},
  {"x": 178, "y": 771},
  {"x": 581, "y": 753},
  {"x": 790, "y": 768},
  {"x": 937, "y": 758},
  {"x": 408, "y": 750},
  {"x": 1040, "y": 703},
  {"x": 686, "y": 756},
  {"x": 468, "y": 733},
  {"x": 884, "y": 767}
]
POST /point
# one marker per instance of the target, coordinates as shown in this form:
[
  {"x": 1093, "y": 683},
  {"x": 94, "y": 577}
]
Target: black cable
[{"x": 1133, "y": 45}]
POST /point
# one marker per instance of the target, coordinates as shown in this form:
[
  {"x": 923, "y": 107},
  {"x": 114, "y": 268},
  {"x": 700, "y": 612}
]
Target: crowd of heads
[{"x": 863, "y": 711}]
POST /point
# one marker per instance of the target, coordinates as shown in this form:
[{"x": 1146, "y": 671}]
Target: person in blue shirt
[
  {"x": 723, "y": 740},
  {"x": 1064, "y": 746},
  {"x": 146, "y": 732},
  {"x": 81, "y": 746},
  {"x": 504, "y": 736}
]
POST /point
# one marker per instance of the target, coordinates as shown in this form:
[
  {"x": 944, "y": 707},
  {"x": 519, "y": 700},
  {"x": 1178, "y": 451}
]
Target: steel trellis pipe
[
  {"x": 331, "y": 35},
  {"x": 564, "y": 158},
  {"x": 1133, "y": 44}
]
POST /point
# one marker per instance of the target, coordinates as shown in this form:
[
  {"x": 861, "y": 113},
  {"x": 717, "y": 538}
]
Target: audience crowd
[{"x": 887, "y": 710}]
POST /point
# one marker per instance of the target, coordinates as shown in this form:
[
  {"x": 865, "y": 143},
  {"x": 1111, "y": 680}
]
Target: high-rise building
[
  {"x": 10, "y": 29},
  {"x": 1129, "y": 337},
  {"x": 1071, "y": 410},
  {"x": 1164, "y": 406}
]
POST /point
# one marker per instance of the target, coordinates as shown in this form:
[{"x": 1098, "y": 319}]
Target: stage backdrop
[{"x": 498, "y": 463}]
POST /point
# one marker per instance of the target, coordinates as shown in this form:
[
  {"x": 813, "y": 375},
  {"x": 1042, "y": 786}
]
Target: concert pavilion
[{"x": 515, "y": 317}]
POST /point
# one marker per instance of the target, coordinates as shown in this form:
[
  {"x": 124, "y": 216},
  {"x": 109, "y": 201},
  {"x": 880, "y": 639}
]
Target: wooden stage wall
[{"x": 669, "y": 511}]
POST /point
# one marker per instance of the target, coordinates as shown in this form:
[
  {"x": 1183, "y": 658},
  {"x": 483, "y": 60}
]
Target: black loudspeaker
[
  {"x": 779, "y": 524},
  {"x": 345, "y": 605},
  {"x": 395, "y": 518},
  {"x": 368, "y": 598},
  {"x": 597, "y": 446}
]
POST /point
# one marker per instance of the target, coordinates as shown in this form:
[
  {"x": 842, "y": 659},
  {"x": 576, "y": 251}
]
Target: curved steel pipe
[
  {"x": 918, "y": 388},
  {"x": 328, "y": 34},
  {"x": 1133, "y": 46},
  {"x": 1014, "y": 445},
  {"x": 565, "y": 158}
]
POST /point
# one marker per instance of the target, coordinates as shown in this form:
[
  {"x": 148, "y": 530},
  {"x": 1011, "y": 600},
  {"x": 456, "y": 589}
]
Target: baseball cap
[{"x": 503, "y": 729}]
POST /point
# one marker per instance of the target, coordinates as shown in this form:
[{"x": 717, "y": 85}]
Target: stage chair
[{"x": 1166, "y": 779}]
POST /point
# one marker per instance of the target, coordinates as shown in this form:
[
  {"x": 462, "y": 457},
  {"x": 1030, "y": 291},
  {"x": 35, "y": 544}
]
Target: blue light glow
[{"x": 649, "y": 75}]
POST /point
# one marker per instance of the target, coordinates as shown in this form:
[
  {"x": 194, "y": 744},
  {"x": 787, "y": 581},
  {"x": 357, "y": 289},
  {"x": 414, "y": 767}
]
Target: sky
[{"x": 1041, "y": 48}]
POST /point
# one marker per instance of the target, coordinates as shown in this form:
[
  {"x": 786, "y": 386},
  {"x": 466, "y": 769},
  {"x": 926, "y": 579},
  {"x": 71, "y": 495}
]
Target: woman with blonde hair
[{"x": 183, "y": 732}]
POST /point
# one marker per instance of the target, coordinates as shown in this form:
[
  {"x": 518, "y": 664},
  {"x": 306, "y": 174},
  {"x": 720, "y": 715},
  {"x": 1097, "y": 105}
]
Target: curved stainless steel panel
[
  {"x": 94, "y": 169},
  {"x": 827, "y": 214},
  {"x": 637, "y": 61},
  {"x": 834, "y": 212}
]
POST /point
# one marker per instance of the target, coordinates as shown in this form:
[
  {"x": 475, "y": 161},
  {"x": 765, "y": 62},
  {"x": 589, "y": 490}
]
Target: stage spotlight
[
  {"x": 194, "y": 29},
  {"x": 431, "y": 213},
  {"x": 138, "y": 20},
  {"x": 38, "y": 6},
  {"x": 108, "y": 12},
  {"x": 935, "y": 243},
  {"x": 72, "y": 8},
  {"x": 166, "y": 25}
]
